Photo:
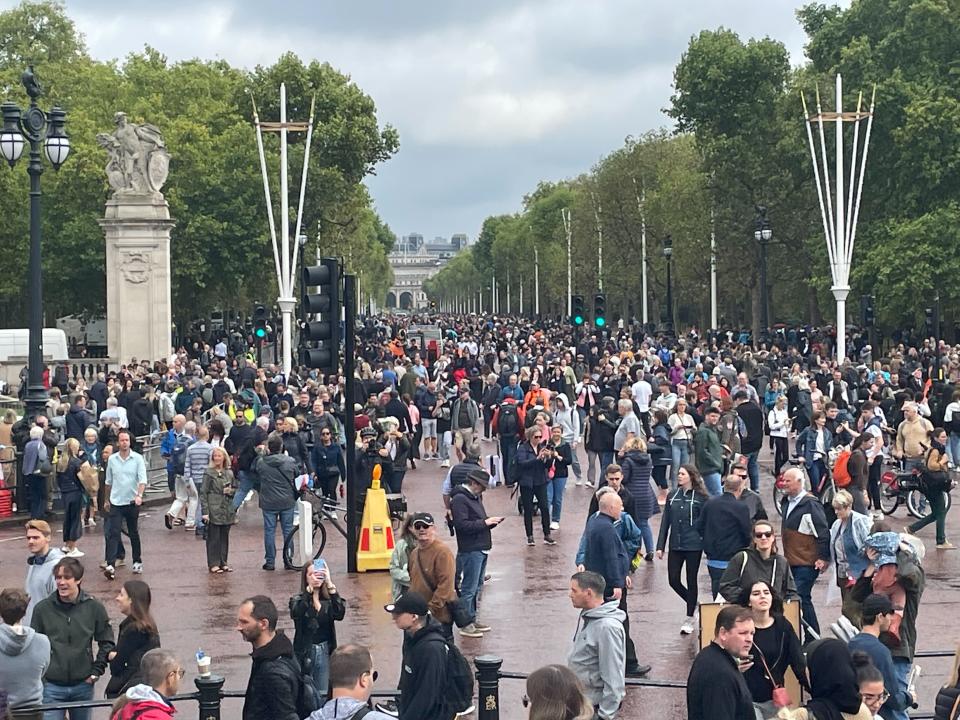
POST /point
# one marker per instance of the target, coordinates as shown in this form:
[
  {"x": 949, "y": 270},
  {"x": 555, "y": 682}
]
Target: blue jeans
[
  {"x": 67, "y": 693},
  {"x": 647, "y": 534},
  {"x": 712, "y": 481},
  {"x": 805, "y": 576},
  {"x": 680, "y": 452},
  {"x": 245, "y": 479},
  {"x": 606, "y": 458},
  {"x": 473, "y": 565},
  {"x": 753, "y": 471},
  {"x": 320, "y": 670},
  {"x": 953, "y": 448},
  {"x": 901, "y": 667},
  {"x": 555, "y": 496},
  {"x": 270, "y": 530},
  {"x": 817, "y": 471}
]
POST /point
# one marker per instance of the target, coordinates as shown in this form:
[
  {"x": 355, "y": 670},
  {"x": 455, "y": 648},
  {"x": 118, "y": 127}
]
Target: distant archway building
[{"x": 413, "y": 262}]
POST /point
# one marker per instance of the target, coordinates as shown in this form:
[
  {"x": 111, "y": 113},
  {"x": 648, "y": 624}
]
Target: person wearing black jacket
[
  {"x": 295, "y": 447},
  {"x": 275, "y": 684},
  {"x": 242, "y": 445},
  {"x": 533, "y": 458},
  {"x": 557, "y": 474},
  {"x": 716, "y": 689},
  {"x": 601, "y": 430},
  {"x": 136, "y": 635},
  {"x": 750, "y": 444},
  {"x": 724, "y": 525},
  {"x": 315, "y": 612},
  {"x": 424, "y": 665},
  {"x": 78, "y": 418},
  {"x": 328, "y": 464},
  {"x": 474, "y": 542}
]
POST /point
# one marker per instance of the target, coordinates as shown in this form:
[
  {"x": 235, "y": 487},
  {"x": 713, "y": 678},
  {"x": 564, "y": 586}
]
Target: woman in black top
[
  {"x": 137, "y": 634},
  {"x": 532, "y": 459},
  {"x": 314, "y": 612},
  {"x": 775, "y": 646},
  {"x": 71, "y": 492},
  {"x": 328, "y": 464}
]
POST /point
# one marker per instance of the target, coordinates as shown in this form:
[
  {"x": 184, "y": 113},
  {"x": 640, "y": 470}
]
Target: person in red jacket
[{"x": 162, "y": 673}]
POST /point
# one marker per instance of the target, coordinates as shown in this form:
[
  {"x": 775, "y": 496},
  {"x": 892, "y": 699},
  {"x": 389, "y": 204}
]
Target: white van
[{"x": 15, "y": 343}]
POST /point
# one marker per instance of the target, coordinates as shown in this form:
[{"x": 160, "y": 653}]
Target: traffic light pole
[{"x": 349, "y": 414}]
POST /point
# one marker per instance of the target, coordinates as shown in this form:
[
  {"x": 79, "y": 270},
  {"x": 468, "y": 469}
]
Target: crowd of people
[{"x": 669, "y": 427}]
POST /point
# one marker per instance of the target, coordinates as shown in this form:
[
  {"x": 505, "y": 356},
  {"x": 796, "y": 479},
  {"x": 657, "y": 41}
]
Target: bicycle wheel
[
  {"x": 919, "y": 506},
  {"x": 292, "y": 552},
  {"x": 889, "y": 499},
  {"x": 778, "y": 496}
]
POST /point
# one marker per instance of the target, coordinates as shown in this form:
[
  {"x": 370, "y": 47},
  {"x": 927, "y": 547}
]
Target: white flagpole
[
  {"x": 568, "y": 229},
  {"x": 713, "y": 272},
  {"x": 303, "y": 189},
  {"x": 266, "y": 191},
  {"x": 641, "y": 201}
]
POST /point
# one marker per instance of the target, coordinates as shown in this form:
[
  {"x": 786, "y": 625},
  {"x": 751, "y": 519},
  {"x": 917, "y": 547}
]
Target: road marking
[{"x": 18, "y": 537}]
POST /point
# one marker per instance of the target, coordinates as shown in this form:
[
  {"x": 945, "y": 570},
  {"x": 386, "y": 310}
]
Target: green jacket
[
  {"x": 709, "y": 451},
  {"x": 72, "y": 629},
  {"x": 216, "y": 497}
]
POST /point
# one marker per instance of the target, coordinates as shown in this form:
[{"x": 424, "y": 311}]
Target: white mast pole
[{"x": 714, "y": 320}]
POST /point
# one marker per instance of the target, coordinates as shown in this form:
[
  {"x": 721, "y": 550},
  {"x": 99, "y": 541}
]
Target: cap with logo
[
  {"x": 422, "y": 517},
  {"x": 410, "y": 602}
]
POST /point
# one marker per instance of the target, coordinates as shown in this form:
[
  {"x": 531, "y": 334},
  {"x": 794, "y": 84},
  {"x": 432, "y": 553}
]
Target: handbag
[
  {"x": 458, "y": 612},
  {"x": 780, "y": 696}
]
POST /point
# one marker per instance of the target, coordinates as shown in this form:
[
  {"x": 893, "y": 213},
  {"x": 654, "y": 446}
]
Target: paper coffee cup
[{"x": 203, "y": 666}]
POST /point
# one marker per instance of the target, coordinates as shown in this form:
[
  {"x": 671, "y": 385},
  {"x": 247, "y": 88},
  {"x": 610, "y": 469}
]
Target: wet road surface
[{"x": 525, "y": 602}]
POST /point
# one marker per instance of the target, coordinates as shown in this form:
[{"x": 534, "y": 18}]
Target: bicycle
[
  {"x": 903, "y": 486},
  {"x": 324, "y": 509}
]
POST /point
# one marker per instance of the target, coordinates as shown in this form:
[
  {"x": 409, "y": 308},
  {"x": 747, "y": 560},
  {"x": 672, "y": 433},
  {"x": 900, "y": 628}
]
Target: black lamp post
[
  {"x": 763, "y": 233},
  {"x": 47, "y": 130},
  {"x": 668, "y": 254}
]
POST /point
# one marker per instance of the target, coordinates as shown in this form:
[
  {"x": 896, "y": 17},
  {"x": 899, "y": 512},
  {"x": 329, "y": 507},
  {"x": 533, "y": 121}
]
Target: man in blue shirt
[
  {"x": 127, "y": 481},
  {"x": 877, "y": 611}
]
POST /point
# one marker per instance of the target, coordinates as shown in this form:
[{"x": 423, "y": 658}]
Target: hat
[
  {"x": 711, "y": 410},
  {"x": 422, "y": 517},
  {"x": 410, "y": 602},
  {"x": 368, "y": 432},
  {"x": 479, "y": 476},
  {"x": 876, "y": 604}
]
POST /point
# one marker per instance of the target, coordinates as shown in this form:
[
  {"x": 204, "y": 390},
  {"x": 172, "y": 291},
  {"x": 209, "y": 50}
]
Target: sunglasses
[
  {"x": 537, "y": 437},
  {"x": 324, "y": 432},
  {"x": 761, "y": 535},
  {"x": 421, "y": 526}
]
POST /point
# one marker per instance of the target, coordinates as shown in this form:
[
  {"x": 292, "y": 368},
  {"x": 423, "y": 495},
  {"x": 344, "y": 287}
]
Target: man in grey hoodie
[
  {"x": 39, "y": 583},
  {"x": 351, "y": 682},
  {"x": 598, "y": 656},
  {"x": 25, "y": 653}
]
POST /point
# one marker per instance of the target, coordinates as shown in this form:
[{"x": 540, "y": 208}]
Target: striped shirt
[{"x": 196, "y": 461}]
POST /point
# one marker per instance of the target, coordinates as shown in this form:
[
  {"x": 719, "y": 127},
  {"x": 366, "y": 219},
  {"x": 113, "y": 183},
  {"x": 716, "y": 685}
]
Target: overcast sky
[{"x": 489, "y": 97}]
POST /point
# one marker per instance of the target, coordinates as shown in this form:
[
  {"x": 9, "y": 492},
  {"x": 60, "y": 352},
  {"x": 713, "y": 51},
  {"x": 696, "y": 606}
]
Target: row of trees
[
  {"x": 738, "y": 142},
  {"x": 221, "y": 252}
]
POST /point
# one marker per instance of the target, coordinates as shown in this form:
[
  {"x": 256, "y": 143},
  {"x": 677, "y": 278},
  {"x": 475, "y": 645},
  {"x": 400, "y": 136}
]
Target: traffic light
[
  {"x": 260, "y": 323},
  {"x": 867, "y": 316},
  {"x": 578, "y": 313},
  {"x": 325, "y": 331},
  {"x": 600, "y": 310},
  {"x": 929, "y": 322}
]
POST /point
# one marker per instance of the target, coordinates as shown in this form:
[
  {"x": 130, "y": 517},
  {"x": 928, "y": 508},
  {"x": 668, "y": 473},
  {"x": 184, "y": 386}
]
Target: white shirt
[
  {"x": 778, "y": 420},
  {"x": 682, "y": 427},
  {"x": 642, "y": 392}
]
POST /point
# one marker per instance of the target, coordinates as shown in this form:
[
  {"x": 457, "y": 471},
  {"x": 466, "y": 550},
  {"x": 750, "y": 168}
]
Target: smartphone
[{"x": 320, "y": 567}]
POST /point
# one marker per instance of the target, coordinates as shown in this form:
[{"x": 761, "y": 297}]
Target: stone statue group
[{"x": 137, "y": 158}]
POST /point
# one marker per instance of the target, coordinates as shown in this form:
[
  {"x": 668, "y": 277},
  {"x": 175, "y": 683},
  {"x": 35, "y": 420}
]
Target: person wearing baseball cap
[
  {"x": 877, "y": 612},
  {"x": 432, "y": 570},
  {"x": 424, "y": 662}
]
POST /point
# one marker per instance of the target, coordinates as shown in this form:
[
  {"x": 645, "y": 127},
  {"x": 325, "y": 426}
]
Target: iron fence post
[
  {"x": 209, "y": 700},
  {"x": 488, "y": 686}
]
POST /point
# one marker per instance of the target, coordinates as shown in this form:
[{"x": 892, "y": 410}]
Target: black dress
[{"x": 780, "y": 647}]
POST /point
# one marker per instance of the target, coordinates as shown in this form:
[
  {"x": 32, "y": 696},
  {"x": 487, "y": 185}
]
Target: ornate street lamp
[
  {"x": 38, "y": 128},
  {"x": 668, "y": 254},
  {"x": 763, "y": 234}
]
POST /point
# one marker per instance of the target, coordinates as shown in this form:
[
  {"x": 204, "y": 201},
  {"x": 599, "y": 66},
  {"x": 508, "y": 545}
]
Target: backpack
[
  {"x": 513, "y": 471},
  {"x": 458, "y": 681},
  {"x": 179, "y": 453},
  {"x": 361, "y": 713},
  {"x": 841, "y": 474},
  {"x": 508, "y": 419},
  {"x": 167, "y": 409}
]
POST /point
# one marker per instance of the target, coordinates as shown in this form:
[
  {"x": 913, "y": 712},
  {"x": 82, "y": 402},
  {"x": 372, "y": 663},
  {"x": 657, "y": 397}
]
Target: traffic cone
[{"x": 376, "y": 532}]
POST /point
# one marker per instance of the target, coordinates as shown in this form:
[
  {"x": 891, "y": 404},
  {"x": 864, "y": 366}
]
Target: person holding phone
[{"x": 314, "y": 612}]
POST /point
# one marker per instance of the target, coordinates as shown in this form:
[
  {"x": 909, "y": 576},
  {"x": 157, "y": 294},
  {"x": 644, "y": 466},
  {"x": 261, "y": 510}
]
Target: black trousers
[
  {"x": 526, "y": 498},
  {"x": 676, "y": 559},
  {"x": 129, "y": 514},
  {"x": 873, "y": 483},
  {"x": 781, "y": 453},
  {"x": 218, "y": 545},
  {"x": 631, "y": 657}
]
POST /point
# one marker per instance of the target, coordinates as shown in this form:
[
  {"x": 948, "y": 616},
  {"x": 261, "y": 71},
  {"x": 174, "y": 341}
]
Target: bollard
[
  {"x": 209, "y": 699},
  {"x": 488, "y": 686}
]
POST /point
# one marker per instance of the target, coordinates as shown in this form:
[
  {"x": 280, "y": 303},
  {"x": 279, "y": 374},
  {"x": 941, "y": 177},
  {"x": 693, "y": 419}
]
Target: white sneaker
[
  {"x": 75, "y": 553},
  {"x": 137, "y": 568},
  {"x": 687, "y": 627},
  {"x": 445, "y": 463},
  {"x": 554, "y": 525},
  {"x": 91, "y": 523},
  {"x": 579, "y": 483}
]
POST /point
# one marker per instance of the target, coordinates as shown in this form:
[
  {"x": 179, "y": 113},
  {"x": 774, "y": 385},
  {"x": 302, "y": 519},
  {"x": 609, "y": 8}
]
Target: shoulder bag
[
  {"x": 458, "y": 612},
  {"x": 780, "y": 697}
]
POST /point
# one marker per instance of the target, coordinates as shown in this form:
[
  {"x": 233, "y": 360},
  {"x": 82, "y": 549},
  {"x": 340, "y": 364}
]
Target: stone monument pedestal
[{"x": 139, "y": 317}]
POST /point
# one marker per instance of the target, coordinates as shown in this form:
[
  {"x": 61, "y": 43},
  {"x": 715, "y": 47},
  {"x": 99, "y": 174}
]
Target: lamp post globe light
[
  {"x": 668, "y": 254},
  {"x": 41, "y": 130},
  {"x": 763, "y": 234}
]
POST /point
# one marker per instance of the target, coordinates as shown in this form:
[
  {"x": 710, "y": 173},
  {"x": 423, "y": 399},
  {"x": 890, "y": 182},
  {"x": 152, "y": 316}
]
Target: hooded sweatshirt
[
  {"x": 144, "y": 703},
  {"x": 25, "y": 657},
  {"x": 39, "y": 583},
  {"x": 598, "y": 656},
  {"x": 567, "y": 419},
  {"x": 344, "y": 708}
]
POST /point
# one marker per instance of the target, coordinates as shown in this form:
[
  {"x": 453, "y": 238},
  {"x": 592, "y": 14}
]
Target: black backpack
[
  {"x": 458, "y": 683},
  {"x": 508, "y": 419}
]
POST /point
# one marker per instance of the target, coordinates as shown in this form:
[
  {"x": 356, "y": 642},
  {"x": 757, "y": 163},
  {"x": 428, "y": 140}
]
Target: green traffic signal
[
  {"x": 261, "y": 332},
  {"x": 600, "y": 322},
  {"x": 578, "y": 319},
  {"x": 600, "y": 310}
]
